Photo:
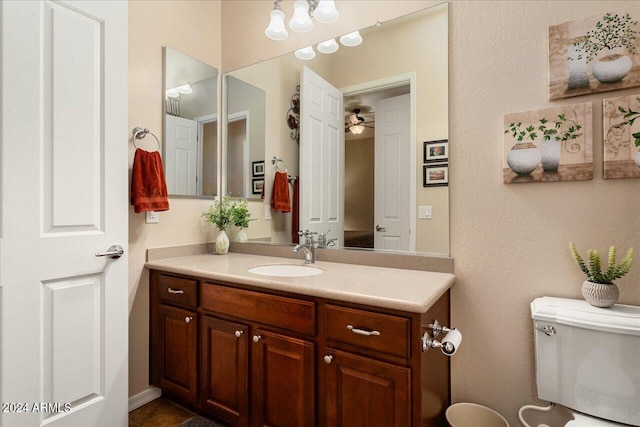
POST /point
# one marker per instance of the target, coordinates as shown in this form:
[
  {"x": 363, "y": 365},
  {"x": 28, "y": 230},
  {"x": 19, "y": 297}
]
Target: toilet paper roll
[{"x": 451, "y": 342}]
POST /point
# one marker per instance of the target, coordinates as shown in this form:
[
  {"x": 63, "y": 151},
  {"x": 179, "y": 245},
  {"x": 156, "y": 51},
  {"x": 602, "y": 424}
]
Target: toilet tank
[{"x": 588, "y": 358}]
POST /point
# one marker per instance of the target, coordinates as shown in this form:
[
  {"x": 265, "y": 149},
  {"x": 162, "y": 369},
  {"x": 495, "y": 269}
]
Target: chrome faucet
[
  {"x": 323, "y": 242},
  {"x": 308, "y": 246}
]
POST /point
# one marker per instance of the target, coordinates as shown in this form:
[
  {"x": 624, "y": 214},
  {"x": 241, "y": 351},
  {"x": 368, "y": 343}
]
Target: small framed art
[
  {"x": 436, "y": 151},
  {"x": 435, "y": 175},
  {"x": 258, "y": 168},
  {"x": 258, "y": 185}
]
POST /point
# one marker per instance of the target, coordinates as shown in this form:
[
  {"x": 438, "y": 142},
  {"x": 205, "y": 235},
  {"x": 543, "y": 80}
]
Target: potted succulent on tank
[
  {"x": 599, "y": 289},
  {"x": 241, "y": 216},
  {"x": 220, "y": 215},
  {"x": 610, "y": 33}
]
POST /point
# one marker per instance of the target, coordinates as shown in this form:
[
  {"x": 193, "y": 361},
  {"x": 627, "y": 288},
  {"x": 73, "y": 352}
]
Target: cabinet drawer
[
  {"x": 286, "y": 313},
  {"x": 177, "y": 290},
  {"x": 374, "y": 331}
]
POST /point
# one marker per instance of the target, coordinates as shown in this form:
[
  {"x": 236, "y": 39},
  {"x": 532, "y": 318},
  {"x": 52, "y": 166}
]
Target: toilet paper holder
[{"x": 449, "y": 343}]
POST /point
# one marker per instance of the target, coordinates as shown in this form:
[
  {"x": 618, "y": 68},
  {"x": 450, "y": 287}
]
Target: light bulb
[
  {"x": 329, "y": 46},
  {"x": 172, "y": 93},
  {"x": 326, "y": 12},
  {"x": 300, "y": 21},
  {"x": 306, "y": 53},
  {"x": 185, "y": 89},
  {"x": 356, "y": 129},
  {"x": 351, "y": 39},
  {"x": 276, "y": 29}
]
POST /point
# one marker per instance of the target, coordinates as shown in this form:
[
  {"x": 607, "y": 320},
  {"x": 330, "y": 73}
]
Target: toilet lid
[{"x": 581, "y": 420}]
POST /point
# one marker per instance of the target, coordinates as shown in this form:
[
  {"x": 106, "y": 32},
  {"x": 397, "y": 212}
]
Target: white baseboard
[{"x": 142, "y": 398}]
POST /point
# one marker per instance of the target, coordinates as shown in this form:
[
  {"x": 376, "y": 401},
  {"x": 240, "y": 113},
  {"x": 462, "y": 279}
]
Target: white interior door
[
  {"x": 64, "y": 314},
  {"x": 392, "y": 174},
  {"x": 321, "y": 156},
  {"x": 181, "y": 155}
]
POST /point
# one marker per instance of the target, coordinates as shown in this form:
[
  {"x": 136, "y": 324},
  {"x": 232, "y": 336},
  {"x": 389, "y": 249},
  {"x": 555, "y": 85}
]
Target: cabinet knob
[
  {"x": 328, "y": 359},
  {"x": 257, "y": 338},
  {"x": 238, "y": 333},
  {"x": 188, "y": 319}
]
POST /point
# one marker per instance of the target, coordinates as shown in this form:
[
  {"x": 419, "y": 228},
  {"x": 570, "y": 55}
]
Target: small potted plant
[
  {"x": 599, "y": 289},
  {"x": 524, "y": 156},
  {"x": 220, "y": 215},
  {"x": 630, "y": 117},
  {"x": 558, "y": 131},
  {"x": 610, "y": 33},
  {"x": 240, "y": 217}
]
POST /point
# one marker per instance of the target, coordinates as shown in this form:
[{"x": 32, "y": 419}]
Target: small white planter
[
  {"x": 241, "y": 236},
  {"x": 600, "y": 295},
  {"x": 550, "y": 155},
  {"x": 222, "y": 243},
  {"x": 611, "y": 68},
  {"x": 523, "y": 158}
]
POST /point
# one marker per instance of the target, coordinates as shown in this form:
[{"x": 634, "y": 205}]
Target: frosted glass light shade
[
  {"x": 351, "y": 39},
  {"x": 185, "y": 89},
  {"x": 276, "y": 29},
  {"x": 326, "y": 12},
  {"x": 306, "y": 53},
  {"x": 172, "y": 93},
  {"x": 356, "y": 129},
  {"x": 329, "y": 46},
  {"x": 300, "y": 21}
]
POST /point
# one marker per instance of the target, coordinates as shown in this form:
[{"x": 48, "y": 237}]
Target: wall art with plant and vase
[
  {"x": 552, "y": 144},
  {"x": 596, "y": 54},
  {"x": 621, "y": 127}
]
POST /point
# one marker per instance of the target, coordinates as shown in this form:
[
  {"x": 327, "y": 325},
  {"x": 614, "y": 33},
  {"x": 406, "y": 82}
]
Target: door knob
[
  {"x": 378, "y": 228},
  {"x": 114, "y": 251}
]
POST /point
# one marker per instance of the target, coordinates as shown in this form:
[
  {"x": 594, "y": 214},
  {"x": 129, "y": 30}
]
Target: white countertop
[{"x": 405, "y": 290}]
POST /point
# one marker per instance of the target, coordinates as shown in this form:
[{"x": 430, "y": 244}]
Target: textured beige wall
[
  {"x": 510, "y": 242},
  {"x": 192, "y": 27}
]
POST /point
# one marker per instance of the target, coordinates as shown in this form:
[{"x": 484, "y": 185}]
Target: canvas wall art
[
  {"x": 596, "y": 54},
  {"x": 552, "y": 144},
  {"x": 621, "y": 127}
]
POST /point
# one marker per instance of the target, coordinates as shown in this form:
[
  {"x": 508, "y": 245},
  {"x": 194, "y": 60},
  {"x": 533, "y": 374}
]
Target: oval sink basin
[{"x": 285, "y": 270}]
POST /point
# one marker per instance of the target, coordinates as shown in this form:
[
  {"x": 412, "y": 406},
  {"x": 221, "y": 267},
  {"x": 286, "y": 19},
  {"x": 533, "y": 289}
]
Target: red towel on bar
[
  {"x": 280, "y": 201},
  {"x": 148, "y": 186},
  {"x": 295, "y": 220}
]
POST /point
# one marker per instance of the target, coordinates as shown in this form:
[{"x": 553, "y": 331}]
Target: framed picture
[
  {"x": 621, "y": 137},
  {"x": 435, "y": 175},
  {"x": 436, "y": 151},
  {"x": 258, "y": 185},
  {"x": 258, "y": 168}
]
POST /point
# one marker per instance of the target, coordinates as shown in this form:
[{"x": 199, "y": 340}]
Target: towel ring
[
  {"x": 140, "y": 133},
  {"x": 275, "y": 160}
]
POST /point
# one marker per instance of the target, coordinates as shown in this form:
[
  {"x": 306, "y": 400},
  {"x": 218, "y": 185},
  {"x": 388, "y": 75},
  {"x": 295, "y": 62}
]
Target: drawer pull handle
[
  {"x": 188, "y": 319},
  {"x": 175, "y": 291},
  {"x": 363, "y": 332},
  {"x": 238, "y": 333}
]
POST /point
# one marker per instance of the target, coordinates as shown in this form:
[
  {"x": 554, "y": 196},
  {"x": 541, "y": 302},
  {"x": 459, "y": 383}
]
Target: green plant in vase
[
  {"x": 524, "y": 156},
  {"x": 241, "y": 217},
  {"x": 611, "y": 32},
  {"x": 599, "y": 289},
  {"x": 220, "y": 214}
]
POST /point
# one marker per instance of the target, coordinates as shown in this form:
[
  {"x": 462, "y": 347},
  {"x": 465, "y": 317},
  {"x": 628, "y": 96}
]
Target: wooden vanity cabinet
[{"x": 264, "y": 358}]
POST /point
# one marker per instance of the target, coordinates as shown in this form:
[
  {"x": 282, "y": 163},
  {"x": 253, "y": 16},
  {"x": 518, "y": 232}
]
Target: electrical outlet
[
  {"x": 152, "y": 217},
  {"x": 424, "y": 212}
]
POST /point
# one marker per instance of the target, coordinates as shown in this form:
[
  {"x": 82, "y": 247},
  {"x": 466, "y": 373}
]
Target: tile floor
[{"x": 159, "y": 413}]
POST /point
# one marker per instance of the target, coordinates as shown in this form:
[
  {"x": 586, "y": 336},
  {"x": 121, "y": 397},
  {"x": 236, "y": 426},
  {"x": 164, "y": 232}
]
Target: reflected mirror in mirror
[
  {"x": 244, "y": 139},
  {"x": 191, "y": 126},
  {"x": 377, "y": 183}
]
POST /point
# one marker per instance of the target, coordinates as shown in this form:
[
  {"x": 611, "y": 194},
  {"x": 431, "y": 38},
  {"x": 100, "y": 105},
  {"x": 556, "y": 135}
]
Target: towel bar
[{"x": 139, "y": 133}]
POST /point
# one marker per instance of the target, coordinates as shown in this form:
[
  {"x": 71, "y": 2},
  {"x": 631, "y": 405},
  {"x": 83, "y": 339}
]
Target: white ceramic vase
[
  {"x": 550, "y": 155},
  {"x": 222, "y": 243},
  {"x": 600, "y": 295},
  {"x": 241, "y": 236},
  {"x": 611, "y": 68},
  {"x": 578, "y": 76},
  {"x": 523, "y": 158},
  {"x": 636, "y": 158}
]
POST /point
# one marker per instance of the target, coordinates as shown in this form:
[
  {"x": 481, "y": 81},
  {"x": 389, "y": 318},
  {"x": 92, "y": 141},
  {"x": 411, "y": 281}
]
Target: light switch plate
[
  {"x": 424, "y": 212},
  {"x": 152, "y": 217}
]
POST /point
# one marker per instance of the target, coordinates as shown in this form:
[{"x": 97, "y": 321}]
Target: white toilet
[{"x": 588, "y": 360}]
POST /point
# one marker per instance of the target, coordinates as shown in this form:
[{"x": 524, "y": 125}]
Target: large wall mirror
[
  {"x": 190, "y": 126},
  {"x": 370, "y": 172}
]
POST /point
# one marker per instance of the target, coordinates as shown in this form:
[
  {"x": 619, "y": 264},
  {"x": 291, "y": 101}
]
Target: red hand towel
[
  {"x": 148, "y": 186},
  {"x": 280, "y": 201}
]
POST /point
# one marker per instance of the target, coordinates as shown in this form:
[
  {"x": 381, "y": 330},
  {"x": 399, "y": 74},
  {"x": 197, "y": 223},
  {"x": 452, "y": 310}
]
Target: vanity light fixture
[
  {"x": 184, "y": 89},
  {"x": 306, "y": 53},
  {"x": 328, "y": 46},
  {"x": 322, "y": 10},
  {"x": 351, "y": 39},
  {"x": 172, "y": 93}
]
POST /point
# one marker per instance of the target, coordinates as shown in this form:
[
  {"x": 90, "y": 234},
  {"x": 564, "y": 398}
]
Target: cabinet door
[
  {"x": 283, "y": 381},
  {"x": 225, "y": 368},
  {"x": 365, "y": 392},
  {"x": 178, "y": 353}
]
